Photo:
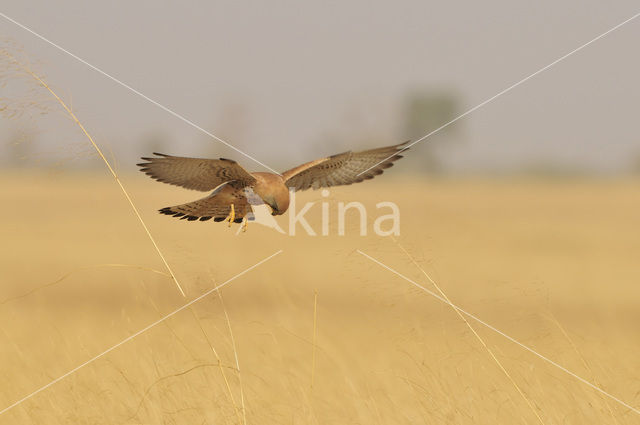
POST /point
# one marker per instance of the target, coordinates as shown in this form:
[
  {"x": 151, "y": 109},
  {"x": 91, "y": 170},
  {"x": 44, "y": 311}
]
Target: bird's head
[
  {"x": 272, "y": 191},
  {"x": 278, "y": 204},
  {"x": 273, "y": 205}
]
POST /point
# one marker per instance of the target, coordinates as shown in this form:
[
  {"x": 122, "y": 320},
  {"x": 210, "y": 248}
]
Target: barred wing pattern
[
  {"x": 195, "y": 173},
  {"x": 216, "y": 206},
  {"x": 343, "y": 169}
]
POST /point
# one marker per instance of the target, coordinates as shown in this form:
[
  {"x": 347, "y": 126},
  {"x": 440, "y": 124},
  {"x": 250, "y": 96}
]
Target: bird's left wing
[
  {"x": 342, "y": 169},
  {"x": 216, "y": 206},
  {"x": 195, "y": 173}
]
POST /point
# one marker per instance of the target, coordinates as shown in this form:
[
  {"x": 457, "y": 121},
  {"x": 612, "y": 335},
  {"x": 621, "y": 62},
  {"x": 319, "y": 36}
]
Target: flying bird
[{"x": 235, "y": 190}]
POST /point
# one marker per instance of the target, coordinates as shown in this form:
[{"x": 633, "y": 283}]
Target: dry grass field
[{"x": 553, "y": 264}]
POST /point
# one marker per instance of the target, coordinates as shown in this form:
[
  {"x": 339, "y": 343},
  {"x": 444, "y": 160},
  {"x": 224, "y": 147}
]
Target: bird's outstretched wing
[
  {"x": 216, "y": 206},
  {"x": 342, "y": 169},
  {"x": 195, "y": 173}
]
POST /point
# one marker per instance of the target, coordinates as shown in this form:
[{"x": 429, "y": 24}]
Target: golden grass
[
  {"x": 553, "y": 264},
  {"x": 13, "y": 62}
]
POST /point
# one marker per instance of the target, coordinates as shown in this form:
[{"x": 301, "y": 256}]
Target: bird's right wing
[
  {"x": 343, "y": 168},
  {"x": 195, "y": 173}
]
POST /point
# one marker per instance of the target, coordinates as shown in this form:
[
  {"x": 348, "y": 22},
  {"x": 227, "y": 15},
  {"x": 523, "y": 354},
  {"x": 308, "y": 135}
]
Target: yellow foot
[
  {"x": 245, "y": 223},
  {"x": 231, "y": 216}
]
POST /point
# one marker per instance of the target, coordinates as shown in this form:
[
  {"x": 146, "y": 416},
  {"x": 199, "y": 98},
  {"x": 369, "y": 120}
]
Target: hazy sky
[{"x": 280, "y": 79}]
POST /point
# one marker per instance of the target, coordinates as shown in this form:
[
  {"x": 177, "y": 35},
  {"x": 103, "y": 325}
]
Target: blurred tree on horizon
[
  {"x": 20, "y": 147},
  {"x": 425, "y": 111},
  {"x": 635, "y": 164}
]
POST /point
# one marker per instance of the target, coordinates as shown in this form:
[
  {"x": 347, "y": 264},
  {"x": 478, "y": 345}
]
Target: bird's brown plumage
[
  {"x": 232, "y": 184},
  {"x": 216, "y": 206},
  {"x": 195, "y": 173},
  {"x": 342, "y": 169}
]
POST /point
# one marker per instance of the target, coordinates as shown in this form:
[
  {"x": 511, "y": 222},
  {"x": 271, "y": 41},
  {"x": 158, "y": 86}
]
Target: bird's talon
[
  {"x": 245, "y": 223},
  {"x": 232, "y": 215}
]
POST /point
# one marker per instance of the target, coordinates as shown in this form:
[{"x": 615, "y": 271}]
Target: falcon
[{"x": 234, "y": 190}]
